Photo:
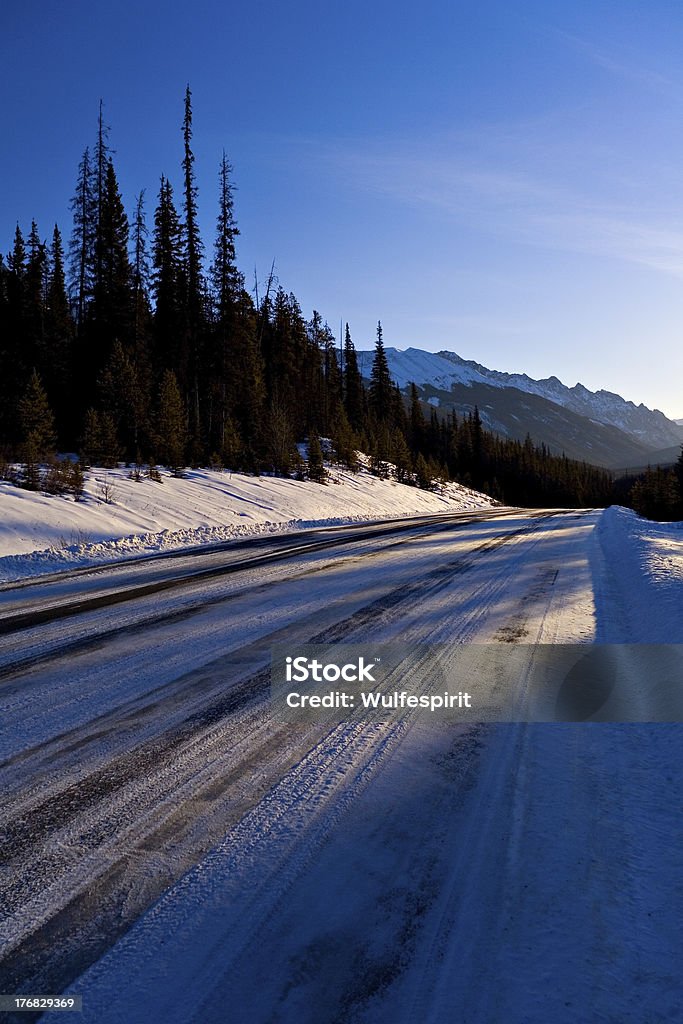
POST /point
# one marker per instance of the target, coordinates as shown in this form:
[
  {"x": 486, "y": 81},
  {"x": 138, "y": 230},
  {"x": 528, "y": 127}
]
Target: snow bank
[
  {"x": 646, "y": 562},
  {"x": 121, "y": 518}
]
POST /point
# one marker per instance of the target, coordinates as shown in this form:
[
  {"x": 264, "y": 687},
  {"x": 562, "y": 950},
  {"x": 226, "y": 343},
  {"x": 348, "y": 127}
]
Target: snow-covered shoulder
[
  {"x": 646, "y": 562},
  {"x": 120, "y": 517}
]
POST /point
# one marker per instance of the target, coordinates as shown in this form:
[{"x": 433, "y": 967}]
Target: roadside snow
[
  {"x": 645, "y": 562},
  {"x": 123, "y": 518}
]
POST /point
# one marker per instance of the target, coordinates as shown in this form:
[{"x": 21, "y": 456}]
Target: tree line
[{"x": 132, "y": 342}]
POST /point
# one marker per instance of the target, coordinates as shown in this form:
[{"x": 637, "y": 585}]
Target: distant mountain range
[{"x": 597, "y": 426}]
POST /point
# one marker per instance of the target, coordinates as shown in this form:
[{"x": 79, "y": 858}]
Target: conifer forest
[{"x": 132, "y": 338}]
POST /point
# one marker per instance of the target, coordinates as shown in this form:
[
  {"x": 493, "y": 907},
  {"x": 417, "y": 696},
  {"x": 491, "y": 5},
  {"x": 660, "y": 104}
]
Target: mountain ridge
[{"x": 600, "y": 426}]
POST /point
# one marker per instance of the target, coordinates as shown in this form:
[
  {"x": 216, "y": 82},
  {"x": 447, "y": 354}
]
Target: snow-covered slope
[
  {"x": 444, "y": 369},
  {"x": 40, "y": 533}
]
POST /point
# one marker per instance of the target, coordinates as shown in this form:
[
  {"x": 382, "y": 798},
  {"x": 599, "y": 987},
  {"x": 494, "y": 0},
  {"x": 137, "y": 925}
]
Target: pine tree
[
  {"x": 14, "y": 369},
  {"x": 37, "y": 430},
  {"x": 90, "y": 448},
  {"x": 247, "y": 402},
  {"x": 423, "y": 475},
  {"x": 280, "y": 451},
  {"x": 354, "y": 395},
  {"x": 345, "y": 443},
  {"x": 58, "y": 366},
  {"x": 123, "y": 398},
  {"x": 17, "y": 258},
  {"x": 417, "y": 421},
  {"x": 99, "y": 444},
  {"x": 140, "y": 263},
  {"x": 140, "y": 286},
  {"x": 316, "y": 465},
  {"x": 226, "y": 358},
  {"x": 193, "y": 272},
  {"x": 16, "y": 288},
  {"x": 400, "y": 456},
  {"x": 168, "y": 284},
  {"x": 478, "y": 454},
  {"x": 81, "y": 247},
  {"x": 113, "y": 301},
  {"x": 35, "y": 296},
  {"x": 193, "y": 242},
  {"x": 292, "y": 363},
  {"x": 110, "y": 448},
  {"x": 329, "y": 378},
  {"x": 380, "y": 452},
  {"x": 6, "y": 347},
  {"x": 678, "y": 475},
  {"x": 226, "y": 279},
  {"x": 381, "y": 395},
  {"x": 76, "y": 480},
  {"x": 230, "y": 448},
  {"x": 99, "y": 172},
  {"x": 171, "y": 424}
]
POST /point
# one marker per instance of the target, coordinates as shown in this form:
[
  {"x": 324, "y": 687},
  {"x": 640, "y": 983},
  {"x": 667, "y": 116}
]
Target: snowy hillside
[
  {"x": 119, "y": 517},
  {"x": 444, "y": 369}
]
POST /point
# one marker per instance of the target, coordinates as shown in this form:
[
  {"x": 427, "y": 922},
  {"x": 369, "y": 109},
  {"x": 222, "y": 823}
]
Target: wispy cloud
[
  {"x": 526, "y": 208},
  {"x": 627, "y": 66}
]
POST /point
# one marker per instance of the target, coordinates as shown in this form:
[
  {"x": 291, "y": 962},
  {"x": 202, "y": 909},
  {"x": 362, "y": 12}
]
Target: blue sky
[{"x": 500, "y": 179}]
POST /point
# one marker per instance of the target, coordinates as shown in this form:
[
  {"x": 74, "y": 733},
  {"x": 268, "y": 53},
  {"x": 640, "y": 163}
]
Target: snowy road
[{"x": 171, "y": 852}]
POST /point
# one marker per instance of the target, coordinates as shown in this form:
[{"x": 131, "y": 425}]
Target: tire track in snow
[{"x": 103, "y": 787}]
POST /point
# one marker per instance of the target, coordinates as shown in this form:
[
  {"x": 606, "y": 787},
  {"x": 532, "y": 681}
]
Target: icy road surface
[{"x": 172, "y": 854}]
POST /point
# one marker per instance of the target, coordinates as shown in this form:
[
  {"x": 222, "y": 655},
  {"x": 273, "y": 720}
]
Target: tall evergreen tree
[
  {"x": 113, "y": 300},
  {"x": 381, "y": 395},
  {"x": 140, "y": 261},
  {"x": 140, "y": 270},
  {"x": 6, "y": 345},
  {"x": 354, "y": 394},
  {"x": 226, "y": 279},
  {"x": 227, "y": 355},
  {"x": 100, "y": 166},
  {"x": 167, "y": 283},
  {"x": 678, "y": 472},
  {"x": 192, "y": 238},
  {"x": 327, "y": 367},
  {"x": 316, "y": 465},
  {"x": 35, "y": 294},
  {"x": 417, "y": 421},
  {"x": 16, "y": 284},
  {"x": 81, "y": 246},
  {"x": 123, "y": 398},
  {"x": 171, "y": 424},
  {"x": 285, "y": 349},
  {"x": 15, "y": 367},
  {"x": 193, "y": 271},
  {"x": 280, "y": 451},
  {"x": 37, "y": 429},
  {"x": 58, "y": 368}
]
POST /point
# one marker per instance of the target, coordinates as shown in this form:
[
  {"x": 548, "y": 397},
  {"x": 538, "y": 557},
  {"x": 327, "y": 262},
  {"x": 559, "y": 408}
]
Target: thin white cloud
[
  {"x": 623, "y": 66},
  {"x": 521, "y": 206}
]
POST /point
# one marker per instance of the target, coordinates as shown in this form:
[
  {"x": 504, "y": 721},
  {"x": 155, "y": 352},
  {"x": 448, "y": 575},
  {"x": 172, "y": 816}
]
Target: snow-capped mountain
[{"x": 598, "y": 426}]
